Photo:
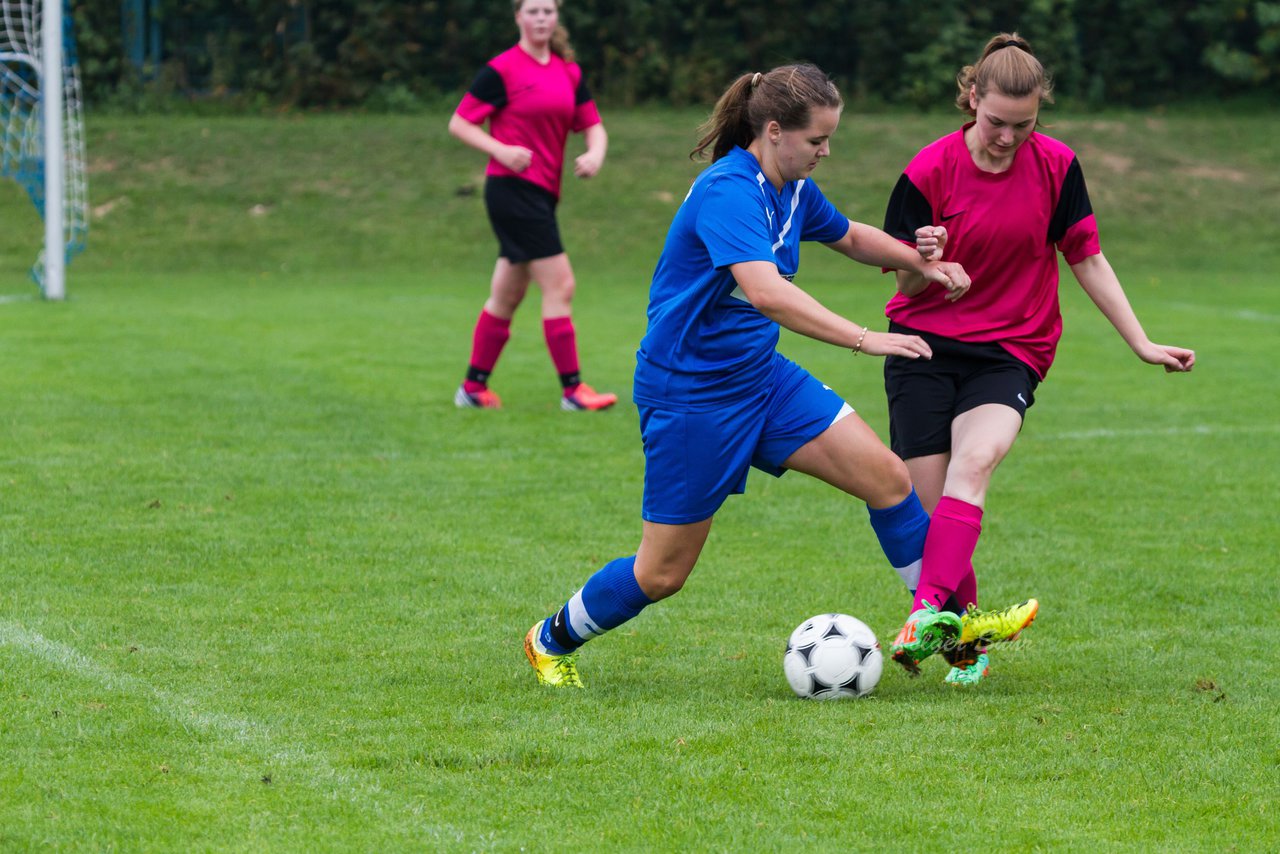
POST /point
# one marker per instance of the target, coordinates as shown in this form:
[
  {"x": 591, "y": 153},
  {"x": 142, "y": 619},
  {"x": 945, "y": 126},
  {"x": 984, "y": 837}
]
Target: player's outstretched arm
[
  {"x": 790, "y": 306},
  {"x": 869, "y": 245},
  {"x": 1102, "y": 285}
]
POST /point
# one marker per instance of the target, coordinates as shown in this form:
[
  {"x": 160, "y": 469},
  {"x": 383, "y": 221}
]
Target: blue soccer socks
[
  {"x": 901, "y": 530},
  {"x": 609, "y": 598}
]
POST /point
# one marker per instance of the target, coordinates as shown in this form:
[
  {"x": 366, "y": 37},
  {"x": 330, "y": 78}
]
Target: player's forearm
[
  {"x": 792, "y": 308},
  {"x": 597, "y": 140},
  {"x": 806, "y": 316},
  {"x": 910, "y": 283},
  {"x": 473, "y": 135},
  {"x": 869, "y": 245},
  {"x": 1100, "y": 282}
]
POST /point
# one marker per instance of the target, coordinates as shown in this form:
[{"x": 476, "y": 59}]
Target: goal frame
[
  {"x": 42, "y": 107},
  {"x": 55, "y": 253}
]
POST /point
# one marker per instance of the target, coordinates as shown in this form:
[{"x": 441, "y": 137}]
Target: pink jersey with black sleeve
[
  {"x": 533, "y": 105},
  {"x": 1006, "y": 229}
]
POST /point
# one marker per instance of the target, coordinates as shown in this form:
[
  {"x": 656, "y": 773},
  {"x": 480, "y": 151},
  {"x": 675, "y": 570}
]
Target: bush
[{"x": 394, "y": 55}]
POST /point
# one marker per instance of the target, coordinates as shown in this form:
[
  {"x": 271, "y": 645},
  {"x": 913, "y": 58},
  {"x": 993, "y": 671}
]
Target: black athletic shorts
[
  {"x": 925, "y": 395},
  {"x": 523, "y": 216}
]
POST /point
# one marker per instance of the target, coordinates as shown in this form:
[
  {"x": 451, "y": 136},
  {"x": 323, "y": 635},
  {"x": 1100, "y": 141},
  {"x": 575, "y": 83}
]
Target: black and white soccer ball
[{"x": 832, "y": 656}]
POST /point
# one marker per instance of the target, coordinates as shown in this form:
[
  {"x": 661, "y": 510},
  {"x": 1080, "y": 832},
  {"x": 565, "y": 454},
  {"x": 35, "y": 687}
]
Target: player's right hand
[
  {"x": 515, "y": 157},
  {"x": 930, "y": 241},
  {"x": 895, "y": 344}
]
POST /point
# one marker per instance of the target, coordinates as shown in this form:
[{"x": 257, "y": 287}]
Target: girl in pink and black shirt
[
  {"x": 533, "y": 96},
  {"x": 1002, "y": 200}
]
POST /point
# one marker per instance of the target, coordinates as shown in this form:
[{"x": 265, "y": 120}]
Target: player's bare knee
[
  {"x": 892, "y": 482},
  {"x": 973, "y": 467},
  {"x": 564, "y": 289},
  {"x": 661, "y": 585}
]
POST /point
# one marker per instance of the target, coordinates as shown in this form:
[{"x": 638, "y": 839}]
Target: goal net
[{"x": 42, "y": 128}]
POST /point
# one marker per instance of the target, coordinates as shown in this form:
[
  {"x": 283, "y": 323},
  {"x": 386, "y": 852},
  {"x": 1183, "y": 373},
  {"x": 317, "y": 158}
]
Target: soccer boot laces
[
  {"x": 556, "y": 671},
  {"x": 926, "y": 631},
  {"x": 984, "y": 627}
]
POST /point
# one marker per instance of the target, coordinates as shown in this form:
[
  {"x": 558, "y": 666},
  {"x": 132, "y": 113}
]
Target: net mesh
[{"x": 21, "y": 116}]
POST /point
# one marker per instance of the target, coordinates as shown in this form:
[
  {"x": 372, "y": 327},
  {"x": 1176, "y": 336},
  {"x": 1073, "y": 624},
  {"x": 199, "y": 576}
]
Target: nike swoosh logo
[
  {"x": 946, "y": 217},
  {"x": 556, "y": 622}
]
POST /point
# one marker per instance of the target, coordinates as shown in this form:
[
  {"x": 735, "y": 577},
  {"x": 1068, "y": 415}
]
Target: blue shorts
[{"x": 693, "y": 461}]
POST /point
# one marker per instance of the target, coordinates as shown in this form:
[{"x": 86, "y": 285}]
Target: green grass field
[{"x": 262, "y": 587}]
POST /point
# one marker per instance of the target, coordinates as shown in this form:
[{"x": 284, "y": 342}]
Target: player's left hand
[
  {"x": 587, "y": 164},
  {"x": 950, "y": 275},
  {"x": 1176, "y": 360},
  {"x": 930, "y": 241}
]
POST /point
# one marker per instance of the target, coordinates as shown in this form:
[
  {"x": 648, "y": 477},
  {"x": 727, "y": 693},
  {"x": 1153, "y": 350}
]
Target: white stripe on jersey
[
  {"x": 795, "y": 203},
  {"x": 786, "y": 226},
  {"x": 768, "y": 208}
]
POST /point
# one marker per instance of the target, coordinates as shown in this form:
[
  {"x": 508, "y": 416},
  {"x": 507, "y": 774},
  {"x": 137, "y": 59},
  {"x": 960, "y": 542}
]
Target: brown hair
[
  {"x": 786, "y": 95},
  {"x": 1008, "y": 66},
  {"x": 559, "y": 39}
]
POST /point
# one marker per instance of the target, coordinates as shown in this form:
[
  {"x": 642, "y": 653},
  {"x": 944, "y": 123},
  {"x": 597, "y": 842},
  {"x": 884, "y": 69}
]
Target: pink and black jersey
[
  {"x": 1005, "y": 229},
  {"x": 533, "y": 105}
]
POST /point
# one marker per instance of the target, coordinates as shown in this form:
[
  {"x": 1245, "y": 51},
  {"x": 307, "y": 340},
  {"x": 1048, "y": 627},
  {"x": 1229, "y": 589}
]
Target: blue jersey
[{"x": 706, "y": 344}]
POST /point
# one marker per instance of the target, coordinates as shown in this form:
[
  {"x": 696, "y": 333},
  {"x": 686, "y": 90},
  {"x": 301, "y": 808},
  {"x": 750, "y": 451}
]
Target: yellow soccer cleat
[
  {"x": 984, "y": 627},
  {"x": 556, "y": 671}
]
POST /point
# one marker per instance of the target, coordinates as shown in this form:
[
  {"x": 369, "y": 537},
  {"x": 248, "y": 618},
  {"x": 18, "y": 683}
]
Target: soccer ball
[{"x": 832, "y": 656}]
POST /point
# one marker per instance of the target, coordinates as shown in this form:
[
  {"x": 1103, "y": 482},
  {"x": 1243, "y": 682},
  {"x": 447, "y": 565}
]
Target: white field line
[
  {"x": 5, "y": 298},
  {"x": 306, "y": 767},
  {"x": 1135, "y": 432},
  {"x": 1237, "y": 313}
]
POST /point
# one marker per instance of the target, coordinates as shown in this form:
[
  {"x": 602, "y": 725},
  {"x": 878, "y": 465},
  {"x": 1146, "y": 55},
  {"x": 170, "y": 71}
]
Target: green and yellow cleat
[
  {"x": 556, "y": 671},
  {"x": 970, "y": 674},
  {"x": 984, "y": 627},
  {"x": 927, "y": 631}
]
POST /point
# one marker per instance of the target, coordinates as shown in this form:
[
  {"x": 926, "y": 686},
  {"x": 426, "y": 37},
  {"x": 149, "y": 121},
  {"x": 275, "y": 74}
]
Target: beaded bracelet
[{"x": 857, "y": 348}]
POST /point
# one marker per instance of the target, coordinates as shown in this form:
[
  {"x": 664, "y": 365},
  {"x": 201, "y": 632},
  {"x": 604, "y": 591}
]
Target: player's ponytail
[
  {"x": 1007, "y": 66},
  {"x": 729, "y": 123},
  {"x": 560, "y": 43},
  {"x": 786, "y": 94}
]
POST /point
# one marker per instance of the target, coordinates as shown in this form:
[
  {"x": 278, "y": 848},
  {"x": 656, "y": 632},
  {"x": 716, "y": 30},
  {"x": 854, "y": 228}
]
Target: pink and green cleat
[
  {"x": 970, "y": 674},
  {"x": 926, "y": 631}
]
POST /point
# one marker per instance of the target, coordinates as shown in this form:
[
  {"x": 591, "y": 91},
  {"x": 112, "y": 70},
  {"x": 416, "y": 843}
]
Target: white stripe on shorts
[{"x": 844, "y": 410}]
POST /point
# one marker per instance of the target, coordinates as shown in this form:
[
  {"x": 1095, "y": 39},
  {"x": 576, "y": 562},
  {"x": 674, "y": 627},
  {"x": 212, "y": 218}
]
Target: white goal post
[{"x": 42, "y": 128}]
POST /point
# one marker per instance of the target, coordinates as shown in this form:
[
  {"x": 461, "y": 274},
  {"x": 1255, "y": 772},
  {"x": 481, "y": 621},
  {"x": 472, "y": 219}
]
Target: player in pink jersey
[
  {"x": 533, "y": 96},
  {"x": 1002, "y": 200}
]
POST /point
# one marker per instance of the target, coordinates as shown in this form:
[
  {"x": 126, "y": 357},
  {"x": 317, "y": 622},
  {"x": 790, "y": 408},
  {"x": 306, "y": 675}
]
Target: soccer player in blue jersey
[{"x": 715, "y": 396}]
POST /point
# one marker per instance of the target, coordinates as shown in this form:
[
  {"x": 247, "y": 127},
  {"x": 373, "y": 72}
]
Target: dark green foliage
[{"x": 397, "y": 56}]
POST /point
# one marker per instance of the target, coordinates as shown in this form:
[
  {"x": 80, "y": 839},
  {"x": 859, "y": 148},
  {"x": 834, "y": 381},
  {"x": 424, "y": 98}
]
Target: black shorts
[
  {"x": 523, "y": 216},
  {"x": 925, "y": 395}
]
